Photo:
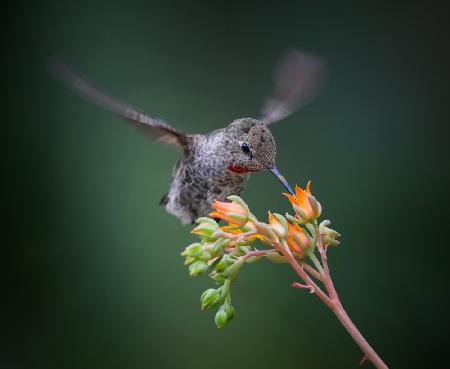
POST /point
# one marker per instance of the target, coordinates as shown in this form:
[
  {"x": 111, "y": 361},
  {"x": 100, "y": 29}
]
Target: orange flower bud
[
  {"x": 305, "y": 205},
  {"x": 278, "y": 224},
  {"x": 230, "y": 212},
  {"x": 297, "y": 240}
]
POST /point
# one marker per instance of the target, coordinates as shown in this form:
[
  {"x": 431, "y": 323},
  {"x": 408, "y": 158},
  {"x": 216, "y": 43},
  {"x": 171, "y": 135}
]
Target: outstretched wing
[
  {"x": 81, "y": 85},
  {"x": 297, "y": 80}
]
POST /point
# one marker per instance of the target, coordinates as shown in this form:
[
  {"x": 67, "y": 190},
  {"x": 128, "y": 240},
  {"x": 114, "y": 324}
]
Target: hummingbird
[{"x": 217, "y": 164}]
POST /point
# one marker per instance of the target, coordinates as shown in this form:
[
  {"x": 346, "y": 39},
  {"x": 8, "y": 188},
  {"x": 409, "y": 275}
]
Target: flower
[
  {"x": 278, "y": 224},
  {"x": 206, "y": 227},
  {"x": 297, "y": 240},
  {"x": 329, "y": 235},
  {"x": 230, "y": 212},
  {"x": 305, "y": 205},
  {"x": 266, "y": 232},
  {"x": 248, "y": 227}
]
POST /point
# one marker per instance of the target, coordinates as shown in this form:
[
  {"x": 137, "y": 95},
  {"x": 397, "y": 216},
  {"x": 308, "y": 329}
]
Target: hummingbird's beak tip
[{"x": 283, "y": 180}]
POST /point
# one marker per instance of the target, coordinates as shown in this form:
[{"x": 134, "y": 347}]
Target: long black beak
[{"x": 277, "y": 174}]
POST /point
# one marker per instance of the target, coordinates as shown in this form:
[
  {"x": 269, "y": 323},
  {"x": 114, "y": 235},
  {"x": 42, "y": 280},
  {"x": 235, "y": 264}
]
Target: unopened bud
[
  {"x": 220, "y": 244},
  {"x": 197, "y": 267},
  {"x": 210, "y": 298},
  {"x": 315, "y": 206},
  {"x": 205, "y": 229},
  {"x": 329, "y": 235},
  {"x": 221, "y": 318},
  {"x": 206, "y": 220},
  {"x": 194, "y": 249},
  {"x": 330, "y": 241},
  {"x": 218, "y": 277},
  {"x": 224, "y": 263},
  {"x": 233, "y": 269},
  {"x": 230, "y": 311},
  {"x": 206, "y": 255},
  {"x": 278, "y": 224},
  {"x": 231, "y": 212},
  {"x": 265, "y": 231}
]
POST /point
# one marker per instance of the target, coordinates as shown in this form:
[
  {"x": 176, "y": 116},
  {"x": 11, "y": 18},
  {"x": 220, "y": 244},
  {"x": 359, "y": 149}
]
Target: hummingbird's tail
[{"x": 164, "y": 200}]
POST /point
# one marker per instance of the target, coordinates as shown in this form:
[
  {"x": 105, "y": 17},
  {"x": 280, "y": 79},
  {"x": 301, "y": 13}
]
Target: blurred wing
[
  {"x": 81, "y": 85},
  {"x": 297, "y": 80}
]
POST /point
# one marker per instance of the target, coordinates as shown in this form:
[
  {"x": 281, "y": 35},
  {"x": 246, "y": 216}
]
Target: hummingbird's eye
[{"x": 246, "y": 149}]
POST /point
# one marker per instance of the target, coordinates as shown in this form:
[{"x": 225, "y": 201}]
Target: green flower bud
[
  {"x": 224, "y": 263},
  {"x": 221, "y": 318},
  {"x": 207, "y": 220},
  {"x": 228, "y": 307},
  {"x": 220, "y": 244},
  {"x": 194, "y": 249},
  {"x": 205, "y": 292},
  {"x": 233, "y": 269},
  {"x": 331, "y": 241},
  {"x": 197, "y": 267},
  {"x": 329, "y": 235},
  {"x": 205, "y": 229},
  {"x": 230, "y": 311},
  {"x": 206, "y": 255},
  {"x": 211, "y": 298},
  {"x": 218, "y": 277}
]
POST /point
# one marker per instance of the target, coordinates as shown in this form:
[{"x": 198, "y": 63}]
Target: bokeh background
[{"x": 91, "y": 271}]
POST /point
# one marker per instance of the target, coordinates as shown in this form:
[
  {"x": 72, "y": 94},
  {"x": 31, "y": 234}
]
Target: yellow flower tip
[
  {"x": 231, "y": 229},
  {"x": 271, "y": 217},
  {"x": 214, "y": 214}
]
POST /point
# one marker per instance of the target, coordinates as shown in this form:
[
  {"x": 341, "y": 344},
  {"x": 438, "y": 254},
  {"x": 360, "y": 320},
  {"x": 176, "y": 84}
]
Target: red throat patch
[{"x": 239, "y": 169}]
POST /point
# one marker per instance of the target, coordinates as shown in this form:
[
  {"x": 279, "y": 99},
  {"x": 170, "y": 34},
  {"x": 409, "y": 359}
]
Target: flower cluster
[{"x": 223, "y": 251}]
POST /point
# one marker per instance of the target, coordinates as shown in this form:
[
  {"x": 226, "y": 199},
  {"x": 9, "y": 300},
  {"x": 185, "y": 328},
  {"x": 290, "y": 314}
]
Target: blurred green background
[{"x": 92, "y": 276}]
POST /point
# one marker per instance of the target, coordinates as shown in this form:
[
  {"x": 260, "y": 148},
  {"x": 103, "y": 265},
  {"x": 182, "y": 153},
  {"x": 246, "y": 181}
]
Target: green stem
[{"x": 315, "y": 261}]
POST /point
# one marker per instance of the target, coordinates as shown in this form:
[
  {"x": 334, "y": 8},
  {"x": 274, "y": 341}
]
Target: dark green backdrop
[{"x": 92, "y": 276}]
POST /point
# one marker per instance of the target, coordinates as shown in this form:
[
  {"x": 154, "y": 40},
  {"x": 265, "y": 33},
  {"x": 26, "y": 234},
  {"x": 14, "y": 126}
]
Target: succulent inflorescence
[{"x": 222, "y": 251}]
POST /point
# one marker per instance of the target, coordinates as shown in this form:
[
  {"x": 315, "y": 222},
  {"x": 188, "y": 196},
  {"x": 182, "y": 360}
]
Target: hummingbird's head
[
  {"x": 252, "y": 148},
  {"x": 251, "y": 145}
]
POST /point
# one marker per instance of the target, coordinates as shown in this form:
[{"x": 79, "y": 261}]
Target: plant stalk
[{"x": 333, "y": 302}]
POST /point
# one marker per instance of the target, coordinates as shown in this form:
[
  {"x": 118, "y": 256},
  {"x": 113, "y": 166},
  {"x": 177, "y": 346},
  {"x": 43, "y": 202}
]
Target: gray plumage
[{"x": 217, "y": 164}]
